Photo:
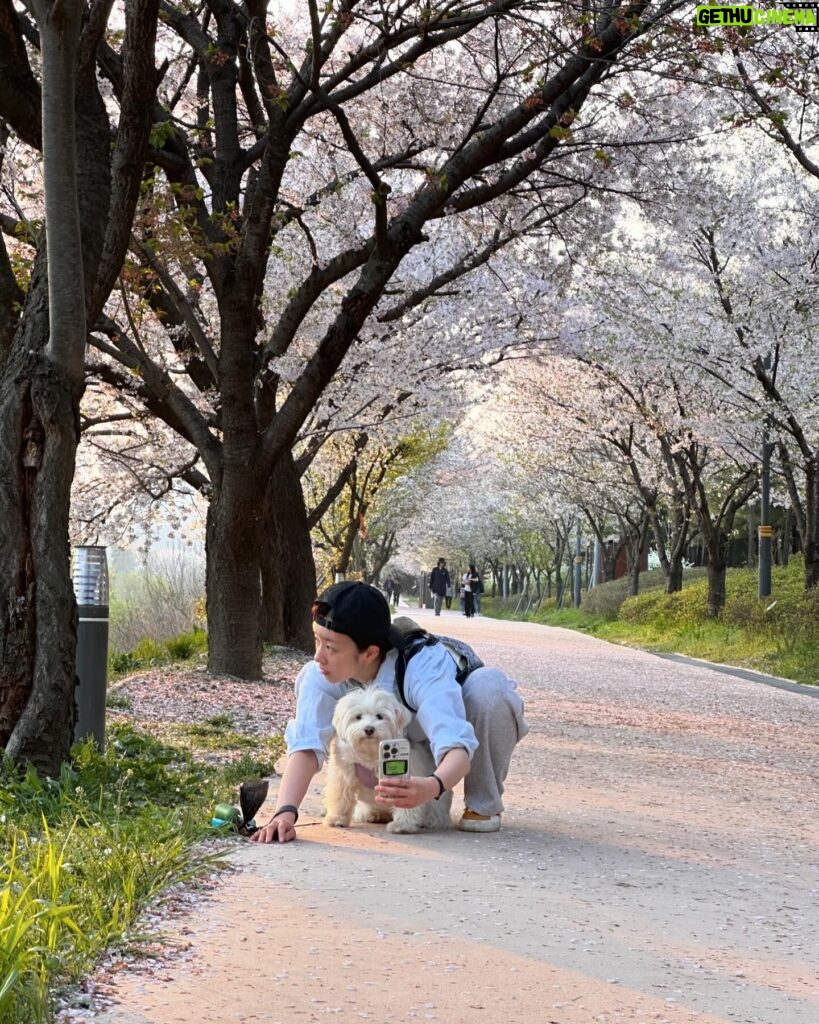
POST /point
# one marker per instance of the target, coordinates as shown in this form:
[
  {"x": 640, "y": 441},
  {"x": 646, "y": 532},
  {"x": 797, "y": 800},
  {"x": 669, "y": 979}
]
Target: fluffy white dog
[{"x": 362, "y": 719}]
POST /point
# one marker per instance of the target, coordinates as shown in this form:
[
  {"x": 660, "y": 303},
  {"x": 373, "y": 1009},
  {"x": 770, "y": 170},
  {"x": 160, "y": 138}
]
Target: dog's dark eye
[
  {"x": 358, "y": 718},
  {"x": 380, "y": 718}
]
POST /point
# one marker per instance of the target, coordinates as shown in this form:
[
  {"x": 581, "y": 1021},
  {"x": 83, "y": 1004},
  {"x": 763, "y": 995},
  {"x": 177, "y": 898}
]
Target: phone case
[{"x": 394, "y": 759}]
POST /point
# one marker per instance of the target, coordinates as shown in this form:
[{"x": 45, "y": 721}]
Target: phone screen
[{"x": 395, "y": 766}]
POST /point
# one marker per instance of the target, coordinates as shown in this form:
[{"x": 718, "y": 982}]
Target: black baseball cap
[{"x": 357, "y": 610}]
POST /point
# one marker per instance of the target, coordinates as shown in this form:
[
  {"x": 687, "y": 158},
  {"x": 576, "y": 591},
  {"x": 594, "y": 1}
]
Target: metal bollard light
[{"x": 90, "y": 579}]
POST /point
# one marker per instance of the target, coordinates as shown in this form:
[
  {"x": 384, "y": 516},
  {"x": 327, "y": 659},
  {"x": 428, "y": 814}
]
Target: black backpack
[{"x": 408, "y": 638}]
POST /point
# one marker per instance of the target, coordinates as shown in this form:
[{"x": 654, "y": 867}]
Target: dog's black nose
[{"x": 368, "y": 730}]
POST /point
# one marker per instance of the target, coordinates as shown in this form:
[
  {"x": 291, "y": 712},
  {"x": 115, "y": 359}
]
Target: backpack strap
[{"x": 408, "y": 638}]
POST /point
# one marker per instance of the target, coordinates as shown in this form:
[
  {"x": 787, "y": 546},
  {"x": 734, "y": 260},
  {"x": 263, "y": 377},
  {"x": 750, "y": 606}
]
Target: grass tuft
[
  {"x": 150, "y": 653},
  {"x": 82, "y": 855}
]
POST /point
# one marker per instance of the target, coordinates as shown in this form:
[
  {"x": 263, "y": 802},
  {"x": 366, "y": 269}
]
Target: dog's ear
[
  {"x": 403, "y": 717},
  {"x": 341, "y": 714}
]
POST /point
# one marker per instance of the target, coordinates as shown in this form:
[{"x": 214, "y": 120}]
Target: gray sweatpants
[{"x": 495, "y": 709}]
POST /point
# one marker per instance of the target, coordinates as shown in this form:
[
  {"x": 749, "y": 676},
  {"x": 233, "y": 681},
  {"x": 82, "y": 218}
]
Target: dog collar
[{"x": 366, "y": 776}]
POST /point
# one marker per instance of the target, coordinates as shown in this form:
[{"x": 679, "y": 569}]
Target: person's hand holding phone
[{"x": 396, "y": 786}]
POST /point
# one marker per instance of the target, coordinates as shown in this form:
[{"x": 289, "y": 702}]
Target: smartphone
[{"x": 394, "y": 759}]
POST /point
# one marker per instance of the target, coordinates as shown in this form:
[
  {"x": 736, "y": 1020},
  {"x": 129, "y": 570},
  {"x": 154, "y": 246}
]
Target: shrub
[
  {"x": 121, "y": 664},
  {"x": 186, "y": 645},
  {"x": 148, "y": 653},
  {"x": 606, "y": 599}
]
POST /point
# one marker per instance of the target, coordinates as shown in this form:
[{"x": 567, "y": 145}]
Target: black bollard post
[{"x": 90, "y": 578}]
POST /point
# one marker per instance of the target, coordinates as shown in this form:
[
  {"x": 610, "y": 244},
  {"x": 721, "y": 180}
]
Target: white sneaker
[{"x": 471, "y": 821}]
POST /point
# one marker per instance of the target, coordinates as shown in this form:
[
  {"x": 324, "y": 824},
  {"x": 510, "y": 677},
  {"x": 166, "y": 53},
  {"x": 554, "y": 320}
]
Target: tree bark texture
[
  {"x": 715, "y": 534},
  {"x": 59, "y": 25},
  {"x": 670, "y": 541},
  {"x": 674, "y": 575},
  {"x": 39, "y": 406},
  {"x": 288, "y": 568},
  {"x": 39, "y": 430},
  {"x": 716, "y": 588},
  {"x": 233, "y": 580}
]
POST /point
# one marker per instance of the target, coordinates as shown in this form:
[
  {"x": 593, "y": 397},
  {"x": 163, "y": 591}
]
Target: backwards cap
[{"x": 357, "y": 610}]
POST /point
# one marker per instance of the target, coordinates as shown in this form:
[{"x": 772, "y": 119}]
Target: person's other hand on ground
[{"x": 280, "y": 829}]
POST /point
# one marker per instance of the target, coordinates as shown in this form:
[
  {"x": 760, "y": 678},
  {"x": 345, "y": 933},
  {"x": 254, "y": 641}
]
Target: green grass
[
  {"x": 150, "y": 653},
  {"x": 778, "y": 635},
  {"x": 82, "y": 855}
]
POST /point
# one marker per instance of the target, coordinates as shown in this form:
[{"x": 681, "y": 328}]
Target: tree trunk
[
  {"x": 715, "y": 535},
  {"x": 716, "y": 590},
  {"x": 233, "y": 584},
  {"x": 786, "y": 537},
  {"x": 39, "y": 428},
  {"x": 42, "y": 365},
  {"x": 674, "y": 575},
  {"x": 634, "y": 535},
  {"x": 811, "y": 540},
  {"x": 345, "y": 555},
  {"x": 288, "y": 569},
  {"x": 633, "y": 548},
  {"x": 39, "y": 425},
  {"x": 610, "y": 556}
]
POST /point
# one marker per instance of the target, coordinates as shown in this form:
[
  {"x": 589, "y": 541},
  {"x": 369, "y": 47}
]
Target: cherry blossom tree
[
  {"x": 694, "y": 334},
  {"x": 772, "y": 79},
  {"x": 766, "y": 348},
  {"x": 91, "y": 172},
  {"x": 303, "y": 173},
  {"x": 356, "y": 532}
]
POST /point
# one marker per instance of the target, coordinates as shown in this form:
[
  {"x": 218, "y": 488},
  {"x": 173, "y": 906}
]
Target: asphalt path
[{"x": 658, "y": 864}]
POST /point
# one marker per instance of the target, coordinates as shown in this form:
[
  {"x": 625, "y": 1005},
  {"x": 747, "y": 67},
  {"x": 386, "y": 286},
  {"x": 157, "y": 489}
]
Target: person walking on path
[
  {"x": 439, "y": 582},
  {"x": 472, "y": 729},
  {"x": 477, "y": 591},
  {"x": 470, "y": 582}
]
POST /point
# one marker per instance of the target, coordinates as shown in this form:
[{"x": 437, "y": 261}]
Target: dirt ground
[{"x": 658, "y": 864}]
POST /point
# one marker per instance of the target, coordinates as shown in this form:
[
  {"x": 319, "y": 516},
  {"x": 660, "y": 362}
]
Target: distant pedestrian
[
  {"x": 450, "y": 593},
  {"x": 477, "y": 591},
  {"x": 469, "y": 583},
  {"x": 439, "y": 584},
  {"x": 396, "y": 593}
]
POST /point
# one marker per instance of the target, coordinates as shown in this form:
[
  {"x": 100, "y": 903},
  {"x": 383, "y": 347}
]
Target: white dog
[{"x": 362, "y": 719}]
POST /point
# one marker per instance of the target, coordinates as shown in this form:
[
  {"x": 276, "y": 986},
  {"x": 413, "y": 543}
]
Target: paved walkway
[{"x": 659, "y": 864}]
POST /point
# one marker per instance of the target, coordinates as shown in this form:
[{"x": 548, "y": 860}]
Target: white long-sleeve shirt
[{"x": 429, "y": 685}]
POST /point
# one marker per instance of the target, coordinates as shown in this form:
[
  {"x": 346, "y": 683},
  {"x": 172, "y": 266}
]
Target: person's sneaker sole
[{"x": 472, "y": 822}]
